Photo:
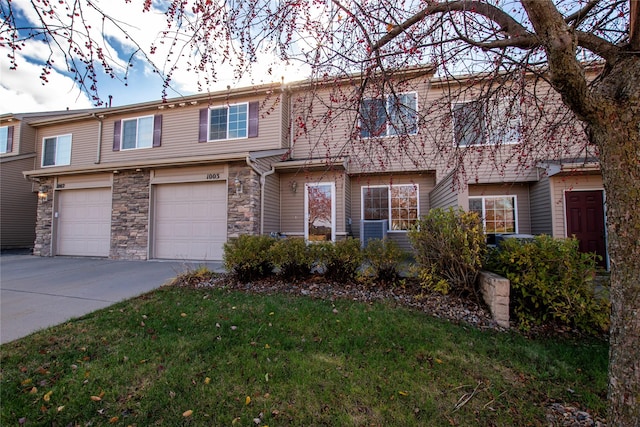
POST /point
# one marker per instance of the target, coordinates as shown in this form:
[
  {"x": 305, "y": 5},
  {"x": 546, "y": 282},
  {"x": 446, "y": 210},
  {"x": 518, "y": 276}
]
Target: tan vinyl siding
[
  {"x": 271, "y": 208},
  {"x": 348, "y": 212},
  {"x": 425, "y": 182},
  {"x": 18, "y": 206},
  {"x": 561, "y": 184},
  {"x": 521, "y": 191},
  {"x": 180, "y": 127},
  {"x": 433, "y": 148},
  {"x": 84, "y": 141},
  {"x": 445, "y": 194},
  {"x": 285, "y": 117},
  {"x": 25, "y": 136},
  {"x": 292, "y": 203},
  {"x": 541, "y": 209}
]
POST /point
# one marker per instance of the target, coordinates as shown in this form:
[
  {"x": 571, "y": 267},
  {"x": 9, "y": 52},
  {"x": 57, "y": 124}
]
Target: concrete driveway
[{"x": 38, "y": 292}]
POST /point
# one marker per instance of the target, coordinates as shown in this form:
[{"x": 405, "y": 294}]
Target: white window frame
[
  {"x": 4, "y": 139},
  {"x": 389, "y": 218},
  {"x": 483, "y": 216},
  {"x": 137, "y": 142},
  {"x": 333, "y": 208},
  {"x": 228, "y": 108},
  {"x": 492, "y": 129},
  {"x": 58, "y": 161},
  {"x": 390, "y": 129}
]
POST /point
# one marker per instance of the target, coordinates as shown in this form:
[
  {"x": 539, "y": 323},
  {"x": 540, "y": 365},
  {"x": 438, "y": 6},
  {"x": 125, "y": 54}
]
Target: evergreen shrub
[
  {"x": 293, "y": 258},
  {"x": 248, "y": 257}
]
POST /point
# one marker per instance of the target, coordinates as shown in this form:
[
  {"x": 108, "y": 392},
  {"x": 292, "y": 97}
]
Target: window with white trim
[
  {"x": 480, "y": 123},
  {"x": 137, "y": 133},
  {"x": 56, "y": 150},
  {"x": 396, "y": 203},
  {"x": 395, "y": 115},
  {"x": 6, "y": 139},
  {"x": 229, "y": 122},
  {"x": 498, "y": 213}
]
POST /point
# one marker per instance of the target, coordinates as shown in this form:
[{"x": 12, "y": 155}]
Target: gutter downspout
[
  {"x": 99, "y": 149},
  {"x": 263, "y": 177}
]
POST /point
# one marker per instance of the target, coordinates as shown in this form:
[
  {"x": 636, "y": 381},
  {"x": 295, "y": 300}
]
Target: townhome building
[{"x": 346, "y": 157}]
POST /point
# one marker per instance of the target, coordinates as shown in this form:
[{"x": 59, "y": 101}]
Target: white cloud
[{"x": 22, "y": 91}]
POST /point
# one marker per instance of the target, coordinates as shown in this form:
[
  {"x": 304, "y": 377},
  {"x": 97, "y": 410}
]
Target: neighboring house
[
  {"x": 178, "y": 179},
  {"x": 17, "y": 195}
]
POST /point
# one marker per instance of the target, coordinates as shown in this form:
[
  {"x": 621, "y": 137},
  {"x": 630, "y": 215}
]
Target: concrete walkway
[{"x": 38, "y": 292}]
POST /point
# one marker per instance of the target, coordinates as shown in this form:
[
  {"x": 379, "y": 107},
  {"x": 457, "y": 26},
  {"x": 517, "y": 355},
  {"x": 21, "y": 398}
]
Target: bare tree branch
[{"x": 508, "y": 25}]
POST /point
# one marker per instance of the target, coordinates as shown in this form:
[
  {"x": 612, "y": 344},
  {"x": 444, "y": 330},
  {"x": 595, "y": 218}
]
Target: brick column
[{"x": 130, "y": 215}]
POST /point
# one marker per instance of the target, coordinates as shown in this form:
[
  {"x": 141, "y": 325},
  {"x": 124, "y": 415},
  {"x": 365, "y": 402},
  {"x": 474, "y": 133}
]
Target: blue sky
[{"x": 21, "y": 90}]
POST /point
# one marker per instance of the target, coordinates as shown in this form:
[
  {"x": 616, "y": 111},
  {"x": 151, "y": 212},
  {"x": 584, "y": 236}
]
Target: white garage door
[
  {"x": 190, "y": 221},
  {"x": 84, "y": 222}
]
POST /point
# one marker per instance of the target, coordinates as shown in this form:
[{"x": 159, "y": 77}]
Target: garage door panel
[
  {"x": 84, "y": 222},
  {"x": 190, "y": 221}
]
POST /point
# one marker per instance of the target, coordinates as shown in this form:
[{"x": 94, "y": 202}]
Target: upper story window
[
  {"x": 56, "y": 150},
  {"x": 397, "y": 114},
  {"x": 233, "y": 121},
  {"x": 6, "y": 139},
  {"x": 476, "y": 123},
  {"x": 139, "y": 132},
  {"x": 498, "y": 213},
  {"x": 396, "y": 203}
]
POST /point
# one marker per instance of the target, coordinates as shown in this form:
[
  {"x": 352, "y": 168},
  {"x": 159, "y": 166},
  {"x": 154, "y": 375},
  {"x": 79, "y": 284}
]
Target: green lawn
[{"x": 183, "y": 356}]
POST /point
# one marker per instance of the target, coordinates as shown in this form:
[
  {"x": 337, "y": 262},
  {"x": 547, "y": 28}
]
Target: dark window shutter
[
  {"x": 253, "y": 119},
  {"x": 117, "y": 126},
  {"x": 157, "y": 130},
  {"x": 204, "y": 125},
  {"x": 9, "y": 139}
]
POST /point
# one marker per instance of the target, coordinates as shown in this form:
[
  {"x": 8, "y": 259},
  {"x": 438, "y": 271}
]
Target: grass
[{"x": 183, "y": 356}]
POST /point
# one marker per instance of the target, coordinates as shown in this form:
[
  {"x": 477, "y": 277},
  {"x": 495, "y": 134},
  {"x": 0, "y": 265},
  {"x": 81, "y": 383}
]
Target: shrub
[
  {"x": 340, "y": 261},
  {"x": 449, "y": 249},
  {"x": 248, "y": 257},
  {"x": 551, "y": 281},
  {"x": 384, "y": 259},
  {"x": 293, "y": 257}
]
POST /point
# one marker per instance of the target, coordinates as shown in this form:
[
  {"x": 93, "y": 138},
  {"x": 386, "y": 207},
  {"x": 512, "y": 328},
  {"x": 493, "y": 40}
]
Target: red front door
[{"x": 585, "y": 221}]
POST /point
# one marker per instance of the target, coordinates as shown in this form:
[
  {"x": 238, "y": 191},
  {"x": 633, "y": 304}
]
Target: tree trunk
[{"x": 616, "y": 133}]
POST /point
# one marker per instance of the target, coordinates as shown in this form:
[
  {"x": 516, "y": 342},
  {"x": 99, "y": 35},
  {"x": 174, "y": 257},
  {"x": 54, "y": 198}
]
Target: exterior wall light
[
  {"x": 294, "y": 186},
  {"x": 238, "y": 185},
  {"x": 43, "y": 195}
]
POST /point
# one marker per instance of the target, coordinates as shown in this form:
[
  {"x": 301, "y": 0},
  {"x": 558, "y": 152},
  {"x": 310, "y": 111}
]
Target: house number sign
[{"x": 212, "y": 176}]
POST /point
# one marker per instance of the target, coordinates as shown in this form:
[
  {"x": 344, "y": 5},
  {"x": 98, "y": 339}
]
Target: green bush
[
  {"x": 551, "y": 282},
  {"x": 384, "y": 259},
  {"x": 293, "y": 258},
  {"x": 450, "y": 248},
  {"x": 339, "y": 261},
  {"x": 248, "y": 257}
]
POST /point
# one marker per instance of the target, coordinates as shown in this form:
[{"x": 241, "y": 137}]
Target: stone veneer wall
[
  {"x": 243, "y": 215},
  {"x": 130, "y": 215},
  {"x": 44, "y": 218}
]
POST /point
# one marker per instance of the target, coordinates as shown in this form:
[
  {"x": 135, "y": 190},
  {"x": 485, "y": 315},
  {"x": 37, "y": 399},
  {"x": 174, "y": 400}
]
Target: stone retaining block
[{"x": 495, "y": 292}]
